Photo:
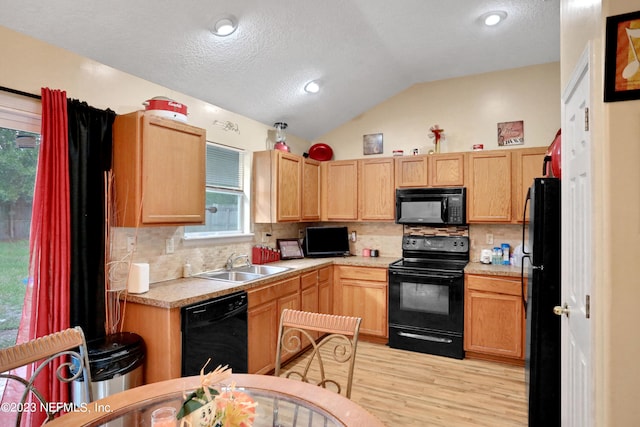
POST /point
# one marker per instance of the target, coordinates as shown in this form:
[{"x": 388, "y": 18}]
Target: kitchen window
[{"x": 227, "y": 204}]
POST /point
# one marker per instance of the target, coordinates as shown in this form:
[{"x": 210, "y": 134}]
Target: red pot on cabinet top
[
  {"x": 552, "y": 158},
  {"x": 321, "y": 152}
]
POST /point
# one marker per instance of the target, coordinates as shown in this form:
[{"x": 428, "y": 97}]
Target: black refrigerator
[{"x": 542, "y": 360}]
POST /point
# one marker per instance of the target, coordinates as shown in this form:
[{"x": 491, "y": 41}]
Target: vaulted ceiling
[{"x": 361, "y": 52}]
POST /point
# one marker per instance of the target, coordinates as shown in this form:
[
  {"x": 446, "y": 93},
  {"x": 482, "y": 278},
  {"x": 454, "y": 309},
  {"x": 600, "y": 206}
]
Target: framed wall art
[
  {"x": 621, "y": 63},
  {"x": 372, "y": 143},
  {"x": 511, "y": 133},
  {"x": 289, "y": 248}
]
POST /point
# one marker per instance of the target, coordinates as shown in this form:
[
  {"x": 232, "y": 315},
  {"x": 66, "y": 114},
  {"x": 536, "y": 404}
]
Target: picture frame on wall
[
  {"x": 372, "y": 143},
  {"x": 621, "y": 60},
  {"x": 511, "y": 133},
  {"x": 289, "y": 248}
]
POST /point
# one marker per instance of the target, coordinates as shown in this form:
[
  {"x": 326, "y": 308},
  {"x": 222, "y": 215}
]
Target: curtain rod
[{"x": 19, "y": 92}]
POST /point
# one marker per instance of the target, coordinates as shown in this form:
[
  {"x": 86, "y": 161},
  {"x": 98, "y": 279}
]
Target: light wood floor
[{"x": 404, "y": 388}]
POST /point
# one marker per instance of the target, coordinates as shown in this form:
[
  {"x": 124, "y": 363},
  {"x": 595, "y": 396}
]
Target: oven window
[{"x": 424, "y": 298}]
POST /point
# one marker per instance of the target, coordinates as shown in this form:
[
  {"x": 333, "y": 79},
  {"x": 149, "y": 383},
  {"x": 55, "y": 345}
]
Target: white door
[{"x": 577, "y": 386}]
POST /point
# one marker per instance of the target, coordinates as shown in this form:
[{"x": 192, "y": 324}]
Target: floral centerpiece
[
  {"x": 208, "y": 406},
  {"x": 437, "y": 134}
]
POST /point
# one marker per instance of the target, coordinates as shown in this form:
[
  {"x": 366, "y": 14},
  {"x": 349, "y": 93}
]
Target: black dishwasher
[{"x": 215, "y": 329}]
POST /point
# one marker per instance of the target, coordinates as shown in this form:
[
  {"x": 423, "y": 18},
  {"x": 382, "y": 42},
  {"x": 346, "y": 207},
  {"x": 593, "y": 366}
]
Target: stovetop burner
[{"x": 444, "y": 253}]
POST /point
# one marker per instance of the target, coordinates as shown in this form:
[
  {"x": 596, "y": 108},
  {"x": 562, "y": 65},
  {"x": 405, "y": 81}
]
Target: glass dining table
[{"x": 280, "y": 403}]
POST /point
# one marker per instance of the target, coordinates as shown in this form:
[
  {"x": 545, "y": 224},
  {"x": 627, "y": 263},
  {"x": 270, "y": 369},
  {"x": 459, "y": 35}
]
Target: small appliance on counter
[{"x": 485, "y": 256}]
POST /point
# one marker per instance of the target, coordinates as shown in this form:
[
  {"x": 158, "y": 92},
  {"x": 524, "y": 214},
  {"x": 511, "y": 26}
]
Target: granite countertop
[
  {"x": 492, "y": 270},
  {"x": 181, "y": 292}
]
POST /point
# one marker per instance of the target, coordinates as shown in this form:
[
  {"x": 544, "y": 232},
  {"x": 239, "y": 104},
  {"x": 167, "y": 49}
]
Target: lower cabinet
[
  {"x": 265, "y": 305},
  {"x": 362, "y": 292},
  {"x": 160, "y": 329},
  {"x": 494, "y": 323},
  {"x": 325, "y": 290}
]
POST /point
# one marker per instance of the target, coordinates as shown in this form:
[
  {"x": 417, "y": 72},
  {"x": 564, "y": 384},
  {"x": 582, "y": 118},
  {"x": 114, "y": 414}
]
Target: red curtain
[{"x": 46, "y": 307}]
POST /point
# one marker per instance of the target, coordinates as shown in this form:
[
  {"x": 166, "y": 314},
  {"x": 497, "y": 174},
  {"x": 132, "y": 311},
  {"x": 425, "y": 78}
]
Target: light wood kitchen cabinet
[
  {"x": 325, "y": 290},
  {"x": 376, "y": 189},
  {"x": 262, "y": 339},
  {"x": 362, "y": 292},
  {"x": 265, "y": 305},
  {"x": 446, "y": 170},
  {"x": 412, "y": 171},
  {"x": 160, "y": 329},
  {"x": 340, "y": 190},
  {"x": 309, "y": 297},
  {"x": 489, "y": 194},
  {"x": 310, "y": 190},
  {"x": 527, "y": 165},
  {"x": 433, "y": 170},
  {"x": 159, "y": 171},
  {"x": 494, "y": 323},
  {"x": 277, "y": 186}
]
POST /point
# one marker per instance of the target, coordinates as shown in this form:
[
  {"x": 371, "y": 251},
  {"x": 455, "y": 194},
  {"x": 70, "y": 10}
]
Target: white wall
[
  {"x": 467, "y": 108},
  {"x": 614, "y": 131},
  {"x": 28, "y": 64}
]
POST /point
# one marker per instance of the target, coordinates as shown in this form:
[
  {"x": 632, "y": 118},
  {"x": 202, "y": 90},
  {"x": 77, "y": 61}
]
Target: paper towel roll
[{"x": 138, "y": 282}]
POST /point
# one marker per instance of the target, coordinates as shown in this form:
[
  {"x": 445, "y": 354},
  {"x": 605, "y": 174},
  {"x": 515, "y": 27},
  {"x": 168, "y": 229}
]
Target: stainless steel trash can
[{"x": 117, "y": 364}]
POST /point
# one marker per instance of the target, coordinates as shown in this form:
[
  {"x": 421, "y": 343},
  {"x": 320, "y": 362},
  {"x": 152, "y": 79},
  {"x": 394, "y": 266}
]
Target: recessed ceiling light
[
  {"x": 312, "y": 87},
  {"x": 493, "y": 18},
  {"x": 225, "y": 26}
]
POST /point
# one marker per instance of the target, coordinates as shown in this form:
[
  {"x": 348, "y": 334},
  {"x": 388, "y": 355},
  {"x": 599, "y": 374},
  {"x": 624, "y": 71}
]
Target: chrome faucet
[{"x": 233, "y": 258}]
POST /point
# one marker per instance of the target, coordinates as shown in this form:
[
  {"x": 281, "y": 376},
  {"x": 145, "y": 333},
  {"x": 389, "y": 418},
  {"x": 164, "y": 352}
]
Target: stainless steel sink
[
  {"x": 263, "y": 270},
  {"x": 229, "y": 276},
  {"x": 243, "y": 274}
]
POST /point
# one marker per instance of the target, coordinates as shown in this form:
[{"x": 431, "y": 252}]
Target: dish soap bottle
[{"x": 186, "y": 269}]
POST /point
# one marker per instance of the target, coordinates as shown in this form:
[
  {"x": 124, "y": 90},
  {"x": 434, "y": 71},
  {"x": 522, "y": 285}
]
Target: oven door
[{"x": 426, "y": 312}]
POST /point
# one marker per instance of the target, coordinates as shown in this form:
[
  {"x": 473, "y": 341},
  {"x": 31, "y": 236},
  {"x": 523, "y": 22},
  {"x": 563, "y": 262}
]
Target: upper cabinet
[
  {"x": 527, "y": 165},
  {"x": 498, "y": 182},
  {"x": 310, "y": 190},
  {"x": 489, "y": 186},
  {"x": 286, "y": 187},
  {"x": 446, "y": 170},
  {"x": 358, "y": 190},
  {"x": 412, "y": 171},
  {"x": 433, "y": 170},
  {"x": 376, "y": 190},
  {"x": 340, "y": 190},
  {"x": 159, "y": 171},
  {"x": 277, "y": 186}
]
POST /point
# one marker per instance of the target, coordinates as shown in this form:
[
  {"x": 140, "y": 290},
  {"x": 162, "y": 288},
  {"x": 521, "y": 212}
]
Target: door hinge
[
  {"x": 587, "y": 306},
  {"x": 586, "y": 119}
]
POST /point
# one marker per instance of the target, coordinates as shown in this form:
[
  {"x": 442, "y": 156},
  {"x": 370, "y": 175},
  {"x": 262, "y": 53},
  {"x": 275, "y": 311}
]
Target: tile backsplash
[
  {"x": 151, "y": 244},
  {"x": 508, "y": 233}
]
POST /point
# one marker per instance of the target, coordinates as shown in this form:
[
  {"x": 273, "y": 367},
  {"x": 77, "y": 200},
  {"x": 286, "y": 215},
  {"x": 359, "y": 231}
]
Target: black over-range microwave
[{"x": 431, "y": 206}]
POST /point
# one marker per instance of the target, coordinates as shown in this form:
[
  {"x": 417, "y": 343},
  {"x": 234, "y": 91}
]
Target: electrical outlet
[
  {"x": 489, "y": 239},
  {"x": 131, "y": 244},
  {"x": 265, "y": 237},
  {"x": 169, "y": 247},
  {"x": 354, "y": 236}
]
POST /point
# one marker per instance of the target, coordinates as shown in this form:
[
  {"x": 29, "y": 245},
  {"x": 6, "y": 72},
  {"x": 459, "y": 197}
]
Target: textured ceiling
[{"x": 362, "y": 51}]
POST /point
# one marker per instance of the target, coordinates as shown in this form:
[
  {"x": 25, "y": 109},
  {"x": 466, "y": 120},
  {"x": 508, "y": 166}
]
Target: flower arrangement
[
  {"x": 437, "y": 134},
  {"x": 209, "y": 407}
]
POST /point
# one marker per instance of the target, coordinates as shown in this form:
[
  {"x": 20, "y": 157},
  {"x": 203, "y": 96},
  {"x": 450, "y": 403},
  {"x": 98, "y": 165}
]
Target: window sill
[{"x": 221, "y": 238}]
